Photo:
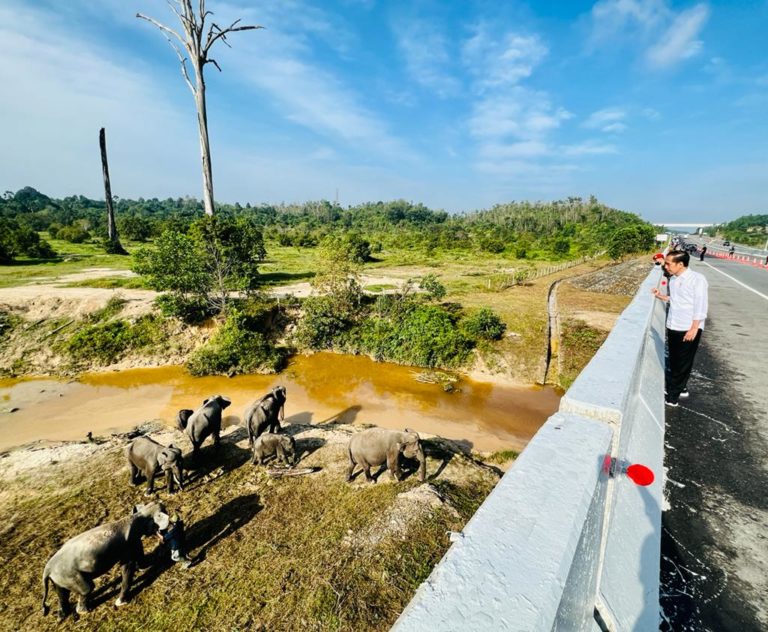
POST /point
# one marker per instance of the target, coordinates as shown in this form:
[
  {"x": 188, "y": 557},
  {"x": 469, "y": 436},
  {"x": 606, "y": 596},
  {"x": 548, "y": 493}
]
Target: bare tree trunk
[
  {"x": 114, "y": 246},
  {"x": 205, "y": 149}
]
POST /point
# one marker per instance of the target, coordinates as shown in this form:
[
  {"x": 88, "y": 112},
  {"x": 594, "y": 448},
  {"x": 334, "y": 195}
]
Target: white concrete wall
[{"x": 557, "y": 537}]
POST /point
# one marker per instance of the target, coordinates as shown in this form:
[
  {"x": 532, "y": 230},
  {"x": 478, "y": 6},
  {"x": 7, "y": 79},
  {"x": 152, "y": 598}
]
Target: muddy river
[{"x": 321, "y": 388}]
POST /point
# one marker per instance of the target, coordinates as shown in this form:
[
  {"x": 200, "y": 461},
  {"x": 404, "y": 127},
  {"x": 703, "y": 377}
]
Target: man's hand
[
  {"x": 657, "y": 293},
  {"x": 690, "y": 335}
]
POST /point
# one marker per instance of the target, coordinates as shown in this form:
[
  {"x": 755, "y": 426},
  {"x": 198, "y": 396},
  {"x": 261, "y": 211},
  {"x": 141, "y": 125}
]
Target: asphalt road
[{"x": 714, "y": 568}]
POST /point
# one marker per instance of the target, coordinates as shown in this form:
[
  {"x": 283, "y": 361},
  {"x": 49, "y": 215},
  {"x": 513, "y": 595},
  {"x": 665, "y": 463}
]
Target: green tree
[{"x": 431, "y": 285}]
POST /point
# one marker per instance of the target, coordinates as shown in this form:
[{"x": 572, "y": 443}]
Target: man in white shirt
[{"x": 688, "y": 302}]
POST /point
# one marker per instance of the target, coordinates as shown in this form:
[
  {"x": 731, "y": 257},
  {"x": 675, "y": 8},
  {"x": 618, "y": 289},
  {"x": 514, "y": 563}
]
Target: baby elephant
[
  {"x": 148, "y": 457},
  {"x": 377, "y": 446},
  {"x": 273, "y": 444}
]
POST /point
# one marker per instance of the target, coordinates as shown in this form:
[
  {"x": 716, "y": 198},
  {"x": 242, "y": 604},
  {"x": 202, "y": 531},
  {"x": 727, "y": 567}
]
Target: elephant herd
[{"x": 92, "y": 553}]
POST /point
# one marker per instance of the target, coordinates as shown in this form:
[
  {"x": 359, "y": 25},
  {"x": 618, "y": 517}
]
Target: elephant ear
[{"x": 163, "y": 457}]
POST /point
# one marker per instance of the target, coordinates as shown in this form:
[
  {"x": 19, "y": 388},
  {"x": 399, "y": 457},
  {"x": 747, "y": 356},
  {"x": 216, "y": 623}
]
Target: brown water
[{"x": 321, "y": 388}]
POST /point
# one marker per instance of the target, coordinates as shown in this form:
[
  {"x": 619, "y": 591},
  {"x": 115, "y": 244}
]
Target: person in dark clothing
[
  {"x": 702, "y": 252},
  {"x": 173, "y": 536}
]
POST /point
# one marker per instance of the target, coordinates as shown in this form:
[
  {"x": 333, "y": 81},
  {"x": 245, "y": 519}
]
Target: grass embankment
[{"x": 308, "y": 553}]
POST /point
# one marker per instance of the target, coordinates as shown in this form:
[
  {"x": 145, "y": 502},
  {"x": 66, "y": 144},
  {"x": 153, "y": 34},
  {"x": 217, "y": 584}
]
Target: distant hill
[{"x": 747, "y": 229}]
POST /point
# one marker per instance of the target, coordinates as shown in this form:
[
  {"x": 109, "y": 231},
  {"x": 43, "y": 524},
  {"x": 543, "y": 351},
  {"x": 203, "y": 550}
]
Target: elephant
[
  {"x": 283, "y": 446},
  {"x": 376, "y": 446},
  {"x": 148, "y": 457},
  {"x": 263, "y": 414},
  {"x": 205, "y": 421},
  {"x": 91, "y": 554}
]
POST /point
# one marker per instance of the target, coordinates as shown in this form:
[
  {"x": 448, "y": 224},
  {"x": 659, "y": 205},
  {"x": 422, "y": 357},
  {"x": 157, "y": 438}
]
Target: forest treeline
[
  {"x": 751, "y": 230},
  {"x": 524, "y": 230}
]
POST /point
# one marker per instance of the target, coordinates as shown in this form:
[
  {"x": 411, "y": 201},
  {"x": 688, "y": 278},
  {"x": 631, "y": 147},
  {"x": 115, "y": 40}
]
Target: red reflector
[{"x": 640, "y": 474}]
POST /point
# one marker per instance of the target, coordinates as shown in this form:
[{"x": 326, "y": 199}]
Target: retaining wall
[{"x": 565, "y": 535}]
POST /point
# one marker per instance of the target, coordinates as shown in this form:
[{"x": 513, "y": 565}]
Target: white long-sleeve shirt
[{"x": 688, "y": 300}]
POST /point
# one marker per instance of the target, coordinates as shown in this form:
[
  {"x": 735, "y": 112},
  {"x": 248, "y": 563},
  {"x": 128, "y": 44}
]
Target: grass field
[{"x": 301, "y": 553}]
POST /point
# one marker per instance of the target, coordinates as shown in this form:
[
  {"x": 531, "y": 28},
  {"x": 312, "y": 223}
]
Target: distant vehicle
[{"x": 726, "y": 243}]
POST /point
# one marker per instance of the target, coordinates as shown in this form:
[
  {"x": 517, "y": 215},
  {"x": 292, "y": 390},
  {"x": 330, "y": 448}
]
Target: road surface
[{"x": 714, "y": 568}]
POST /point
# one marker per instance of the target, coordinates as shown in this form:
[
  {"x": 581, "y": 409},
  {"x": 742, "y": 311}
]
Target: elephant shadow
[
  {"x": 305, "y": 447},
  {"x": 200, "y": 537},
  {"x": 228, "y": 456},
  {"x": 206, "y": 533},
  {"x": 346, "y": 416},
  {"x": 300, "y": 419},
  {"x": 444, "y": 450}
]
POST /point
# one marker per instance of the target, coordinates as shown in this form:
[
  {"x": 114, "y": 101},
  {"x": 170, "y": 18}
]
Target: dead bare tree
[
  {"x": 113, "y": 242},
  {"x": 197, "y": 48}
]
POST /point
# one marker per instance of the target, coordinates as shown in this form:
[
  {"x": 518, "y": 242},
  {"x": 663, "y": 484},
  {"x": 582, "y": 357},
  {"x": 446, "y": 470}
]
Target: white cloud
[
  {"x": 308, "y": 94},
  {"x": 64, "y": 90},
  {"x": 426, "y": 53},
  {"x": 680, "y": 41},
  {"x": 516, "y": 113},
  {"x": 609, "y": 120},
  {"x": 667, "y": 36},
  {"x": 504, "y": 61}
]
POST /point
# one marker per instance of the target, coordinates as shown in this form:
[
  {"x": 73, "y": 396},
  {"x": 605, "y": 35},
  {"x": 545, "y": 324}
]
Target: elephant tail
[{"x": 46, "y": 579}]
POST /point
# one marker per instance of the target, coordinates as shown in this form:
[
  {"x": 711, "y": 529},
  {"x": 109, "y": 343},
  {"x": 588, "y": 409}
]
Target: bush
[
  {"x": 237, "y": 348},
  {"x": 432, "y": 286},
  {"x": 74, "y": 233},
  {"x": 484, "y": 325},
  {"x": 323, "y": 323},
  {"x": 422, "y": 335},
  {"x": 193, "y": 310},
  {"x": 16, "y": 239},
  {"x": 106, "y": 343}
]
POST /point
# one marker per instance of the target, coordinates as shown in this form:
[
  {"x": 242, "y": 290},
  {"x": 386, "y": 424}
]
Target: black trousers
[{"x": 681, "y": 354}]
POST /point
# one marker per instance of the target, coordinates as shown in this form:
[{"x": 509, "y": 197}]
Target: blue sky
[{"x": 655, "y": 107}]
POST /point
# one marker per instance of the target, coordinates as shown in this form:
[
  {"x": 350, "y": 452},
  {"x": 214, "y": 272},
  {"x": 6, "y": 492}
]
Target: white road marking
[{"x": 744, "y": 285}]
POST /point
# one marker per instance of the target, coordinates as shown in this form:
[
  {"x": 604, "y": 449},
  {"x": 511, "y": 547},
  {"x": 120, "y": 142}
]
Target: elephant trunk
[
  {"x": 178, "y": 474},
  {"x": 422, "y": 464}
]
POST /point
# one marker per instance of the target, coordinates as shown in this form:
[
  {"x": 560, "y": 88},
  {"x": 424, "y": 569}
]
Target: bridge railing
[{"x": 564, "y": 535}]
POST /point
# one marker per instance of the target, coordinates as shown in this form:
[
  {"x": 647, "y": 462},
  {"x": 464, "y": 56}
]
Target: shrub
[
  {"x": 106, "y": 343},
  {"x": 432, "y": 286},
  {"x": 74, "y": 233},
  {"x": 422, "y": 335},
  {"x": 323, "y": 323},
  {"x": 16, "y": 239},
  {"x": 193, "y": 310},
  {"x": 484, "y": 325},
  {"x": 236, "y": 348}
]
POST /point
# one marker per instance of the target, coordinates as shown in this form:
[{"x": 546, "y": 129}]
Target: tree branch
[
  {"x": 182, "y": 59},
  {"x": 222, "y": 33},
  {"x": 214, "y": 62},
  {"x": 162, "y": 27}
]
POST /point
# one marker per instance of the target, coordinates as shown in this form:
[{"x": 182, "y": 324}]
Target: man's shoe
[
  {"x": 684, "y": 394},
  {"x": 671, "y": 403}
]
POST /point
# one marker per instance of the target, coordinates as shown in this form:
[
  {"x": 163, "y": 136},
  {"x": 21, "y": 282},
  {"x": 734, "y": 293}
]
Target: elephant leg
[
  {"x": 393, "y": 465},
  {"x": 128, "y": 570},
  {"x": 216, "y": 438},
  {"x": 134, "y": 480},
  {"x": 350, "y": 471},
  {"x": 64, "y": 605},
  {"x": 83, "y": 586},
  {"x": 367, "y": 470},
  {"x": 169, "y": 480},
  {"x": 150, "y": 484}
]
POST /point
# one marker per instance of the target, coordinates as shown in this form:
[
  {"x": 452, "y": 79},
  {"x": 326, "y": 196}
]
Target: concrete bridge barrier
[{"x": 566, "y": 541}]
